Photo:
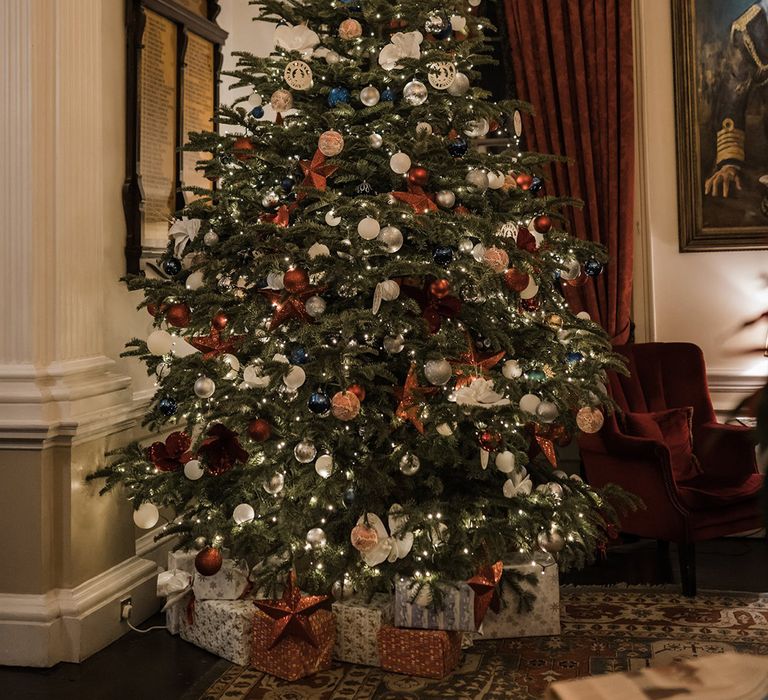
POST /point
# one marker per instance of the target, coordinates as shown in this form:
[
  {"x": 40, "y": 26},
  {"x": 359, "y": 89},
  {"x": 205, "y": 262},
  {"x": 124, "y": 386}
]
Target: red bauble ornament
[
  {"x": 358, "y": 391},
  {"x": 418, "y": 176},
  {"x": 493, "y": 126},
  {"x": 177, "y": 315},
  {"x": 208, "y": 561},
  {"x": 260, "y": 430},
  {"x": 440, "y": 288},
  {"x": 153, "y": 309},
  {"x": 296, "y": 280},
  {"x": 243, "y": 147},
  {"x": 220, "y": 321},
  {"x": 530, "y": 304},
  {"x": 489, "y": 441},
  {"x": 542, "y": 224},
  {"x": 524, "y": 181},
  {"x": 516, "y": 280},
  {"x": 363, "y": 538}
]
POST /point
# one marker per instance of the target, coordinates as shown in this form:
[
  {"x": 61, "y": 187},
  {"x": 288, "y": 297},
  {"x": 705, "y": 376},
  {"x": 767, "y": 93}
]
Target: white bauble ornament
[
  {"x": 394, "y": 344},
  {"x": 530, "y": 291},
  {"x": 547, "y": 411},
  {"x": 445, "y": 198},
  {"x": 274, "y": 484},
  {"x": 376, "y": 141},
  {"x": 243, "y": 513},
  {"x": 409, "y": 464},
  {"x": 511, "y": 369},
  {"x": 423, "y": 129},
  {"x": 204, "y": 387},
  {"x": 316, "y": 538},
  {"x": 584, "y": 316},
  {"x": 391, "y": 238},
  {"x": 415, "y": 93},
  {"x": 505, "y": 462},
  {"x": 477, "y": 128},
  {"x": 324, "y": 466},
  {"x": 159, "y": 342},
  {"x": 294, "y": 378},
  {"x": 146, "y": 516},
  {"x": 495, "y": 180},
  {"x": 478, "y": 179},
  {"x": 438, "y": 372},
  {"x": 551, "y": 542},
  {"x": 529, "y": 403},
  {"x": 459, "y": 85},
  {"x": 315, "y": 306},
  {"x": 332, "y": 58},
  {"x": 368, "y": 228},
  {"x": 195, "y": 280},
  {"x": 400, "y": 163},
  {"x": 318, "y": 250},
  {"x": 305, "y": 451},
  {"x": 331, "y": 219},
  {"x": 162, "y": 370},
  {"x": 370, "y": 96},
  {"x": 193, "y": 470},
  {"x": 233, "y": 363},
  {"x": 254, "y": 378}
]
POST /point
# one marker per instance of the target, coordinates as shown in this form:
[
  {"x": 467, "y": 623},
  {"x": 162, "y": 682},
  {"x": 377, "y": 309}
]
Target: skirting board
[{"x": 72, "y": 624}]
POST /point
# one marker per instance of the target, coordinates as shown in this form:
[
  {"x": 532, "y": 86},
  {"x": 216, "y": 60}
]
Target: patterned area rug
[{"x": 604, "y": 630}]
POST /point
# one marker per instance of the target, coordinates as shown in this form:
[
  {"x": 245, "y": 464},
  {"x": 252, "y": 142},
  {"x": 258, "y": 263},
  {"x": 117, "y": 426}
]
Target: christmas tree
[{"x": 362, "y": 348}]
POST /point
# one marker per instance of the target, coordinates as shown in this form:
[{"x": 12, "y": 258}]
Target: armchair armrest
[{"x": 726, "y": 452}]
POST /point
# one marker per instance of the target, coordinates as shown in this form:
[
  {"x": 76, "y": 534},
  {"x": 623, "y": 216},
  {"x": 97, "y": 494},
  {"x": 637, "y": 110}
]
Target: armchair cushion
[
  {"x": 672, "y": 428},
  {"x": 701, "y": 494}
]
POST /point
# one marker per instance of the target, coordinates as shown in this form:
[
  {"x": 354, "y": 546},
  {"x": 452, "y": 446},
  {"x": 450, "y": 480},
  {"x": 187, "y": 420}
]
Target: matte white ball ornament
[
  {"x": 505, "y": 461},
  {"x": 294, "y": 378},
  {"x": 193, "y": 470},
  {"x": 400, "y": 163},
  {"x": 146, "y": 516},
  {"x": 159, "y": 342},
  {"x": 194, "y": 281},
  {"x": 495, "y": 180},
  {"x": 254, "y": 377},
  {"x": 511, "y": 369},
  {"x": 529, "y": 403},
  {"x": 478, "y": 179},
  {"x": 243, "y": 513},
  {"x": 331, "y": 219},
  {"x": 368, "y": 228},
  {"x": 530, "y": 291},
  {"x": 547, "y": 411}
]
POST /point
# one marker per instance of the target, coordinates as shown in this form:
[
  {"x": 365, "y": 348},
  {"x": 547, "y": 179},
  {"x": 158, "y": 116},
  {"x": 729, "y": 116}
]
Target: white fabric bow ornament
[
  {"x": 480, "y": 393},
  {"x": 296, "y": 38},
  {"x": 389, "y": 547},
  {"x": 518, "y": 484},
  {"x": 404, "y": 45},
  {"x": 183, "y": 231},
  {"x": 173, "y": 585}
]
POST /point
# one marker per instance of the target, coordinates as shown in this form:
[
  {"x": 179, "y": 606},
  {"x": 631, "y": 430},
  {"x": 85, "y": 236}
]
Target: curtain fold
[{"x": 573, "y": 61}]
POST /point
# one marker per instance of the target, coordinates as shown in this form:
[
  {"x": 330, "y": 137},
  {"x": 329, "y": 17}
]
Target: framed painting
[{"x": 721, "y": 105}]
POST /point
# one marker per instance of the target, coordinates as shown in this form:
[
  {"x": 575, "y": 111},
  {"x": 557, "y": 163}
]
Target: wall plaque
[{"x": 174, "y": 60}]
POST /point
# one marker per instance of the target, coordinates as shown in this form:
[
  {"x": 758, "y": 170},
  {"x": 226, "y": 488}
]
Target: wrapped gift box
[
  {"x": 182, "y": 560},
  {"x": 230, "y": 582},
  {"x": 292, "y": 658},
  {"x": 222, "y": 627},
  {"x": 428, "y": 653},
  {"x": 456, "y": 612},
  {"x": 542, "y": 620},
  {"x": 357, "y": 629}
]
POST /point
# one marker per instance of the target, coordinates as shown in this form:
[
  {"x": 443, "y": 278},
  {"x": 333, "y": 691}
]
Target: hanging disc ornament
[
  {"x": 370, "y": 96},
  {"x": 208, "y": 561},
  {"x": 298, "y": 75},
  {"x": 281, "y": 100},
  {"x": 400, "y": 163},
  {"x": 441, "y": 75},
  {"x": 459, "y": 85},
  {"x": 589, "y": 420},
  {"x": 350, "y": 29},
  {"x": 517, "y": 123},
  {"x": 368, "y": 228},
  {"x": 415, "y": 93},
  {"x": 330, "y": 143},
  {"x": 345, "y": 405}
]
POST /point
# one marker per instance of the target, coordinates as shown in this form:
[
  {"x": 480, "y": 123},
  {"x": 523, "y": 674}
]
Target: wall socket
[{"x": 125, "y": 608}]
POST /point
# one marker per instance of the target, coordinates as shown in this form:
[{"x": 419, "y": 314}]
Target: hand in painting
[{"x": 724, "y": 179}]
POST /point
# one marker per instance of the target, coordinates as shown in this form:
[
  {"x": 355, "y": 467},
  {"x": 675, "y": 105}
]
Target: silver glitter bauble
[
  {"x": 547, "y": 411},
  {"x": 551, "y": 542},
  {"x": 305, "y": 451},
  {"x": 477, "y": 128},
  {"x": 211, "y": 238},
  {"x": 409, "y": 464},
  {"x": 438, "y": 372},
  {"x": 200, "y": 542},
  {"x": 415, "y": 93},
  {"x": 315, "y": 306},
  {"x": 445, "y": 198},
  {"x": 375, "y": 140},
  {"x": 391, "y": 238},
  {"x": 459, "y": 85},
  {"x": 316, "y": 537},
  {"x": 274, "y": 484},
  {"x": 465, "y": 246},
  {"x": 370, "y": 96},
  {"x": 478, "y": 179},
  {"x": 204, "y": 387},
  {"x": 394, "y": 344},
  {"x": 571, "y": 269}
]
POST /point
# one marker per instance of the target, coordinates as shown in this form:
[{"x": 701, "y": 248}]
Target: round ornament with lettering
[
  {"x": 517, "y": 123},
  {"x": 330, "y": 143},
  {"x": 281, "y": 100},
  {"x": 442, "y": 74},
  {"x": 298, "y": 75}
]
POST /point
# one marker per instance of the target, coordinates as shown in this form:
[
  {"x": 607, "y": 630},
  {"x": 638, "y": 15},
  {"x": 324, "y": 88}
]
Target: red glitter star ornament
[
  {"x": 291, "y": 613},
  {"x": 470, "y": 365},
  {"x": 289, "y": 305},
  {"x": 485, "y": 584},
  {"x": 419, "y": 201},
  {"x": 213, "y": 345},
  {"x": 316, "y": 173},
  {"x": 280, "y": 218},
  {"x": 410, "y": 406}
]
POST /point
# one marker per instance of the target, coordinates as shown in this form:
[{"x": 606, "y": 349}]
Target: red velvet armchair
[{"x": 721, "y": 499}]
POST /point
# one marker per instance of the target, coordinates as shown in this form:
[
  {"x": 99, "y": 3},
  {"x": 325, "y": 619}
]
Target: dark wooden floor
[{"x": 157, "y": 666}]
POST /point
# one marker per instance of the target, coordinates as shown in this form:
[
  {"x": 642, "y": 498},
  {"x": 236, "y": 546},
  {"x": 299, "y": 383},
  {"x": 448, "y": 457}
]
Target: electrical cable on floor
[{"x": 149, "y": 629}]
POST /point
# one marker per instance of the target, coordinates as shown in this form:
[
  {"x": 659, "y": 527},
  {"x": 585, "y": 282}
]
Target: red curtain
[{"x": 573, "y": 62}]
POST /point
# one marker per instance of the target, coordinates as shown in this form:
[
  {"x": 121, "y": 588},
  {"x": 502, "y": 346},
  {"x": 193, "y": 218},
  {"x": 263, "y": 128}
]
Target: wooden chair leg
[
  {"x": 686, "y": 552},
  {"x": 663, "y": 563}
]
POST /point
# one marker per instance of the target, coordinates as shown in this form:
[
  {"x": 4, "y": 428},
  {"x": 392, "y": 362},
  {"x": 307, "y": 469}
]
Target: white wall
[{"x": 698, "y": 297}]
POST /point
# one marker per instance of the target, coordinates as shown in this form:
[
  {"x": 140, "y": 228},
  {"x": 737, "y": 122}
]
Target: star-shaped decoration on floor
[
  {"x": 420, "y": 202},
  {"x": 213, "y": 344},
  {"x": 288, "y": 305},
  {"x": 291, "y": 613},
  {"x": 471, "y": 365},
  {"x": 485, "y": 584},
  {"x": 316, "y": 173},
  {"x": 410, "y": 394}
]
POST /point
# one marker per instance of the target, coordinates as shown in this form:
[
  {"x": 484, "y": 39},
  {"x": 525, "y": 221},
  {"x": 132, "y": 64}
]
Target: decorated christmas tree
[{"x": 362, "y": 350}]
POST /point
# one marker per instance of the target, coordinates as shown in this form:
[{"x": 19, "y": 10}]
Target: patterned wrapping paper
[
  {"x": 183, "y": 560},
  {"x": 542, "y": 620},
  {"x": 428, "y": 653},
  {"x": 222, "y": 627},
  {"x": 457, "y": 612},
  {"x": 228, "y": 583},
  {"x": 357, "y": 628},
  {"x": 291, "y": 658}
]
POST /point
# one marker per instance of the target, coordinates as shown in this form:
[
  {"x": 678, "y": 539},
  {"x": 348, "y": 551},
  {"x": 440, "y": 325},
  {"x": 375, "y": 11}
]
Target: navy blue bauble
[
  {"x": 574, "y": 357},
  {"x": 167, "y": 406},
  {"x": 387, "y": 95},
  {"x": 443, "y": 255},
  {"x": 458, "y": 147},
  {"x": 338, "y": 95},
  {"x": 287, "y": 184},
  {"x": 257, "y": 112},
  {"x": 319, "y": 403},
  {"x": 172, "y": 266},
  {"x": 536, "y": 184},
  {"x": 593, "y": 267},
  {"x": 444, "y": 34},
  {"x": 299, "y": 356},
  {"x": 349, "y": 496}
]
